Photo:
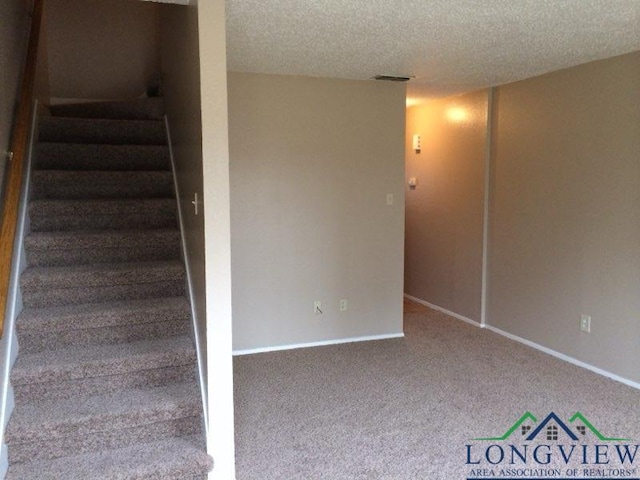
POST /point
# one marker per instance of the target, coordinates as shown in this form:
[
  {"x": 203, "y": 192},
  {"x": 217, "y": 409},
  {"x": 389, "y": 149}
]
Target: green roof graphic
[
  {"x": 514, "y": 427},
  {"x": 579, "y": 416}
]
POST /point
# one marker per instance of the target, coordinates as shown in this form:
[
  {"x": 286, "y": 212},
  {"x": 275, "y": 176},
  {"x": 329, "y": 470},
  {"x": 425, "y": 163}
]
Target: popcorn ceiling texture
[{"x": 451, "y": 47}]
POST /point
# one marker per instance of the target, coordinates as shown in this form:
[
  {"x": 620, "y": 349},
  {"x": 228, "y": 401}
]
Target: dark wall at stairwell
[
  {"x": 102, "y": 49},
  {"x": 14, "y": 23}
]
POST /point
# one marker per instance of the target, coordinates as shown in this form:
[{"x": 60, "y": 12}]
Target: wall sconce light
[{"x": 457, "y": 115}]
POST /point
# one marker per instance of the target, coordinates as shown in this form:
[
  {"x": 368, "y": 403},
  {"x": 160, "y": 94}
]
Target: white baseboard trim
[
  {"x": 251, "y": 351},
  {"x": 564, "y": 357},
  {"x": 529, "y": 343},
  {"x": 443, "y": 310}
]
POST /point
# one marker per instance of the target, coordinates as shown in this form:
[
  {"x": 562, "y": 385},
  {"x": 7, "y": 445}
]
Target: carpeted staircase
[{"x": 105, "y": 380}]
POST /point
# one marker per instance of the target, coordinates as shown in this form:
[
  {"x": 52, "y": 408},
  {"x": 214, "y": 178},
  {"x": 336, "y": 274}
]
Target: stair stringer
[
  {"x": 201, "y": 358},
  {"x": 9, "y": 343}
]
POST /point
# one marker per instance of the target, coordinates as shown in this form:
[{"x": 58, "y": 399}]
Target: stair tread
[
  {"x": 74, "y": 363},
  {"x": 101, "y": 214},
  {"x": 166, "y": 459},
  {"x": 63, "y": 120},
  {"x": 102, "y": 130},
  {"x": 98, "y": 206},
  {"x": 85, "y": 184},
  {"x": 106, "y": 176},
  {"x": 94, "y": 315},
  {"x": 139, "y": 108},
  {"x": 101, "y": 274},
  {"x": 101, "y": 156},
  {"x": 100, "y": 238},
  {"x": 86, "y": 414}
]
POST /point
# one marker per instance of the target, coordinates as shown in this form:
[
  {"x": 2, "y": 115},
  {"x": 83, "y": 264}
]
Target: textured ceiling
[{"x": 451, "y": 46}]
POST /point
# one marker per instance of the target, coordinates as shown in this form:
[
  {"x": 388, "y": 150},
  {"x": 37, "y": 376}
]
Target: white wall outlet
[
  {"x": 343, "y": 304},
  {"x": 317, "y": 307},
  {"x": 585, "y": 323}
]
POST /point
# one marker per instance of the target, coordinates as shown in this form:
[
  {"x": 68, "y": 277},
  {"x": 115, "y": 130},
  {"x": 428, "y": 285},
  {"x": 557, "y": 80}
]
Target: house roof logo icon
[
  {"x": 552, "y": 426},
  {"x": 552, "y": 417}
]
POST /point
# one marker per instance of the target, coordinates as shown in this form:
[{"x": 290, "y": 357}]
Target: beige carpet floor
[{"x": 405, "y": 409}]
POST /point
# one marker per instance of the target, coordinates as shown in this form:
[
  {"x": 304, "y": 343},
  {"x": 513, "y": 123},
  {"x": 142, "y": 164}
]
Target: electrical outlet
[
  {"x": 317, "y": 307},
  {"x": 343, "y": 304},
  {"x": 585, "y": 323}
]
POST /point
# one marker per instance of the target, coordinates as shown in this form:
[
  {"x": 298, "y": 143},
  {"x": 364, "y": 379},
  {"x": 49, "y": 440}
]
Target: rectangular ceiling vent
[{"x": 393, "y": 78}]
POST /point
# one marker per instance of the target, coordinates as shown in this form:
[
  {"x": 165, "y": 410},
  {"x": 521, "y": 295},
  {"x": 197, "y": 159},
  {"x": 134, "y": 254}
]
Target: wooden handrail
[{"x": 19, "y": 146}]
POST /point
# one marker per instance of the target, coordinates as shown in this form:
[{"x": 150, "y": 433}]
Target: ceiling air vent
[{"x": 393, "y": 78}]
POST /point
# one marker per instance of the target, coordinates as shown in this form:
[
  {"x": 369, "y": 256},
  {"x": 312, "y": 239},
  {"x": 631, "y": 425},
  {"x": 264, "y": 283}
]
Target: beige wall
[
  {"x": 312, "y": 161},
  {"x": 443, "y": 256},
  {"x": 102, "y": 49},
  {"x": 565, "y": 212},
  {"x": 194, "y": 72}
]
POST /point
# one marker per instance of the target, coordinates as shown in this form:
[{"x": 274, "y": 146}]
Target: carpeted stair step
[
  {"x": 105, "y": 382},
  {"x": 97, "y": 369},
  {"x": 80, "y": 156},
  {"x": 92, "y": 130},
  {"x": 71, "y": 184},
  {"x": 171, "y": 459},
  {"x": 71, "y": 285},
  {"x": 154, "y": 377},
  {"x": 54, "y": 328},
  {"x": 48, "y": 215},
  {"x": 81, "y": 424},
  {"x": 137, "y": 109},
  {"x": 101, "y": 246}
]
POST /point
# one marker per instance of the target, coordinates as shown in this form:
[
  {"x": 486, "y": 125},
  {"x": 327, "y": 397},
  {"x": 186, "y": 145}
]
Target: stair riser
[
  {"x": 143, "y": 109},
  {"x": 175, "y": 310},
  {"x": 41, "y": 222},
  {"x": 91, "y": 187},
  {"x": 61, "y": 156},
  {"x": 126, "y": 433},
  {"x": 62, "y": 257},
  {"x": 49, "y": 297},
  {"x": 156, "y": 377},
  {"x": 102, "y": 131},
  {"x": 33, "y": 342}
]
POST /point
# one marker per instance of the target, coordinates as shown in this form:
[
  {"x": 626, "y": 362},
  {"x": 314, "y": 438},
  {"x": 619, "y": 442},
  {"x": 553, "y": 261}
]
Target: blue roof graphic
[{"x": 560, "y": 423}]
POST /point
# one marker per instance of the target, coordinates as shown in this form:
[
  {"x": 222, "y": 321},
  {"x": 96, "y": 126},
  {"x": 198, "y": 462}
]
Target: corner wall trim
[
  {"x": 566, "y": 358},
  {"x": 486, "y": 206},
  {"x": 338, "y": 341},
  {"x": 443, "y": 310}
]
